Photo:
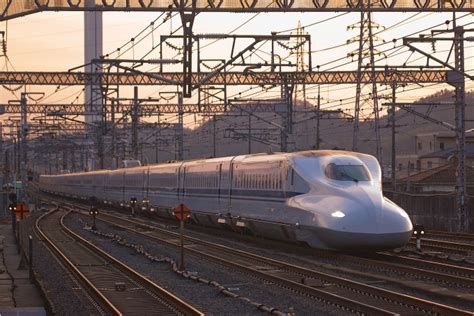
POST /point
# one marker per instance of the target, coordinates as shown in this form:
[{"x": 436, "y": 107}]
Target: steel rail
[
  {"x": 417, "y": 303},
  {"x": 156, "y": 293},
  {"x": 439, "y": 272},
  {"x": 449, "y": 272},
  {"x": 184, "y": 307},
  {"x": 337, "y": 300},
  {"x": 450, "y": 235},
  {"x": 83, "y": 279},
  {"x": 445, "y": 246}
]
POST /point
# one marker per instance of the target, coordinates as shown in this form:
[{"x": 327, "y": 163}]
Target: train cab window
[{"x": 347, "y": 172}]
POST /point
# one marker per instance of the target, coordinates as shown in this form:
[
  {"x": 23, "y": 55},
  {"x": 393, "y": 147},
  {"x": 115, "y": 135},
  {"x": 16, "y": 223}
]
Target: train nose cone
[
  {"x": 385, "y": 227},
  {"x": 365, "y": 225}
]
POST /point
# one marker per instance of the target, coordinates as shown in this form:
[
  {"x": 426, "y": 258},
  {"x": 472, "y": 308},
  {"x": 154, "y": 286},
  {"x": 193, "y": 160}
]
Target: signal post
[{"x": 181, "y": 212}]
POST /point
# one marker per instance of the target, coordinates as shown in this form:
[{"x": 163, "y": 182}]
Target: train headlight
[{"x": 338, "y": 214}]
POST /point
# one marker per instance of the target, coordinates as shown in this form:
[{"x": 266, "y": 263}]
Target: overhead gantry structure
[
  {"x": 222, "y": 78},
  {"x": 16, "y": 8}
]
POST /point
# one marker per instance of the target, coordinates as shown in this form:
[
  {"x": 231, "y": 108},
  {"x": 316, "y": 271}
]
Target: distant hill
[{"x": 232, "y": 129}]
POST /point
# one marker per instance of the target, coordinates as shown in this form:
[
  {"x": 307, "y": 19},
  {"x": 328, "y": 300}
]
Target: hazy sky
[{"x": 54, "y": 41}]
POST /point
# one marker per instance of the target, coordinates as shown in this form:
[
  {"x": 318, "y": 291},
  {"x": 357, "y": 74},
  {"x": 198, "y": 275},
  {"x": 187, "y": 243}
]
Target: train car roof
[
  {"x": 320, "y": 153},
  {"x": 258, "y": 157}
]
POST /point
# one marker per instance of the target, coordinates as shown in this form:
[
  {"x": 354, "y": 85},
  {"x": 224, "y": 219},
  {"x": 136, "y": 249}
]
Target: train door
[
  {"x": 290, "y": 178},
  {"x": 219, "y": 176},
  {"x": 224, "y": 188},
  {"x": 124, "y": 185},
  {"x": 147, "y": 183},
  {"x": 231, "y": 178}
]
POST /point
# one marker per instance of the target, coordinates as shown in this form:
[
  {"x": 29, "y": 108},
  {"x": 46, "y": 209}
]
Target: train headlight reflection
[{"x": 338, "y": 214}]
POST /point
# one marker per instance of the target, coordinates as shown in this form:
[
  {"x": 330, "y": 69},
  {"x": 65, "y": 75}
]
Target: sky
[{"x": 53, "y": 41}]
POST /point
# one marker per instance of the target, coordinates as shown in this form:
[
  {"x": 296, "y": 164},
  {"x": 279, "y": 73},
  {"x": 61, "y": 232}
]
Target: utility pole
[
  {"x": 157, "y": 136},
  {"x": 114, "y": 134},
  {"x": 392, "y": 121},
  {"x": 23, "y": 151},
  {"x": 287, "y": 93},
  {"x": 460, "y": 120},
  {"x": 318, "y": 117},
  {"x": 249, "y": 135},
  {"x": 187, "y": 20},
  {"x": 301, "y": 65},
  {"x": 214, "y": 139},
  {"x": 456, "y": 78},
  {"x": 7, "y": 166},
  {"x": 135, "y": 123},
  {"x": 100, "y": 144},
  {"x": 366, "y": 48},
  {"x": 180, "y": 128}
]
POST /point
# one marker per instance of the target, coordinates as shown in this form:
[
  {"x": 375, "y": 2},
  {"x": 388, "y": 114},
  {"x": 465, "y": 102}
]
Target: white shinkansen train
[{"x": 327, "y": 199}]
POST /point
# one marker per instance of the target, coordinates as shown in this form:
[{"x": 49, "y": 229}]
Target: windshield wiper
[{"x": 344, "y": 174}]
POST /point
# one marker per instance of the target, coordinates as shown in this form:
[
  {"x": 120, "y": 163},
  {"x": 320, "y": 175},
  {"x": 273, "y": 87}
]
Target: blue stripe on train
[{"x": 224, "y": 193}]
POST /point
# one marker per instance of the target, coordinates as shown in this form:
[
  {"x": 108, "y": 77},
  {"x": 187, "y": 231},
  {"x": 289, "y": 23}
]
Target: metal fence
[{"x": 434, "y": 211}]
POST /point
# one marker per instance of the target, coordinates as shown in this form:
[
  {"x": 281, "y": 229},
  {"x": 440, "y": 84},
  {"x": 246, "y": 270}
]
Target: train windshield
[{"x": 354, "y": 173}]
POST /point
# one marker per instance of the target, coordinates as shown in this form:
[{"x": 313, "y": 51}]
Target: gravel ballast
[{"x": 206, "y": 297}]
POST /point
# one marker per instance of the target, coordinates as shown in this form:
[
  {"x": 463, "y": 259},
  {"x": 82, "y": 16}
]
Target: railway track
[
  {"x": 448, "y": 247},
  {"x": 414, "y": 268},
  {"x": 343, "y": 293},
  {"x": 468, "y": 238},
  {"x": 117, "y": 289},
  {"x": 438, "y": 271}
]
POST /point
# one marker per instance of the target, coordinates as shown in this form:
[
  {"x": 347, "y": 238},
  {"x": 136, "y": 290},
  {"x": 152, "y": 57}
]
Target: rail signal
[
  {"x": 418, "y": 232},
  {"x": 20, "y": 210},
  {"x": 133, "y": 204},
  {"x": 12, "y": 207},
  {"x": 94, "y": 212}
]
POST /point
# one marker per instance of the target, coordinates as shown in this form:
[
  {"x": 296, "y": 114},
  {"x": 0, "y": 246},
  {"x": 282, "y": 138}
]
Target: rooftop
[{"x": 450, "y": 152}]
